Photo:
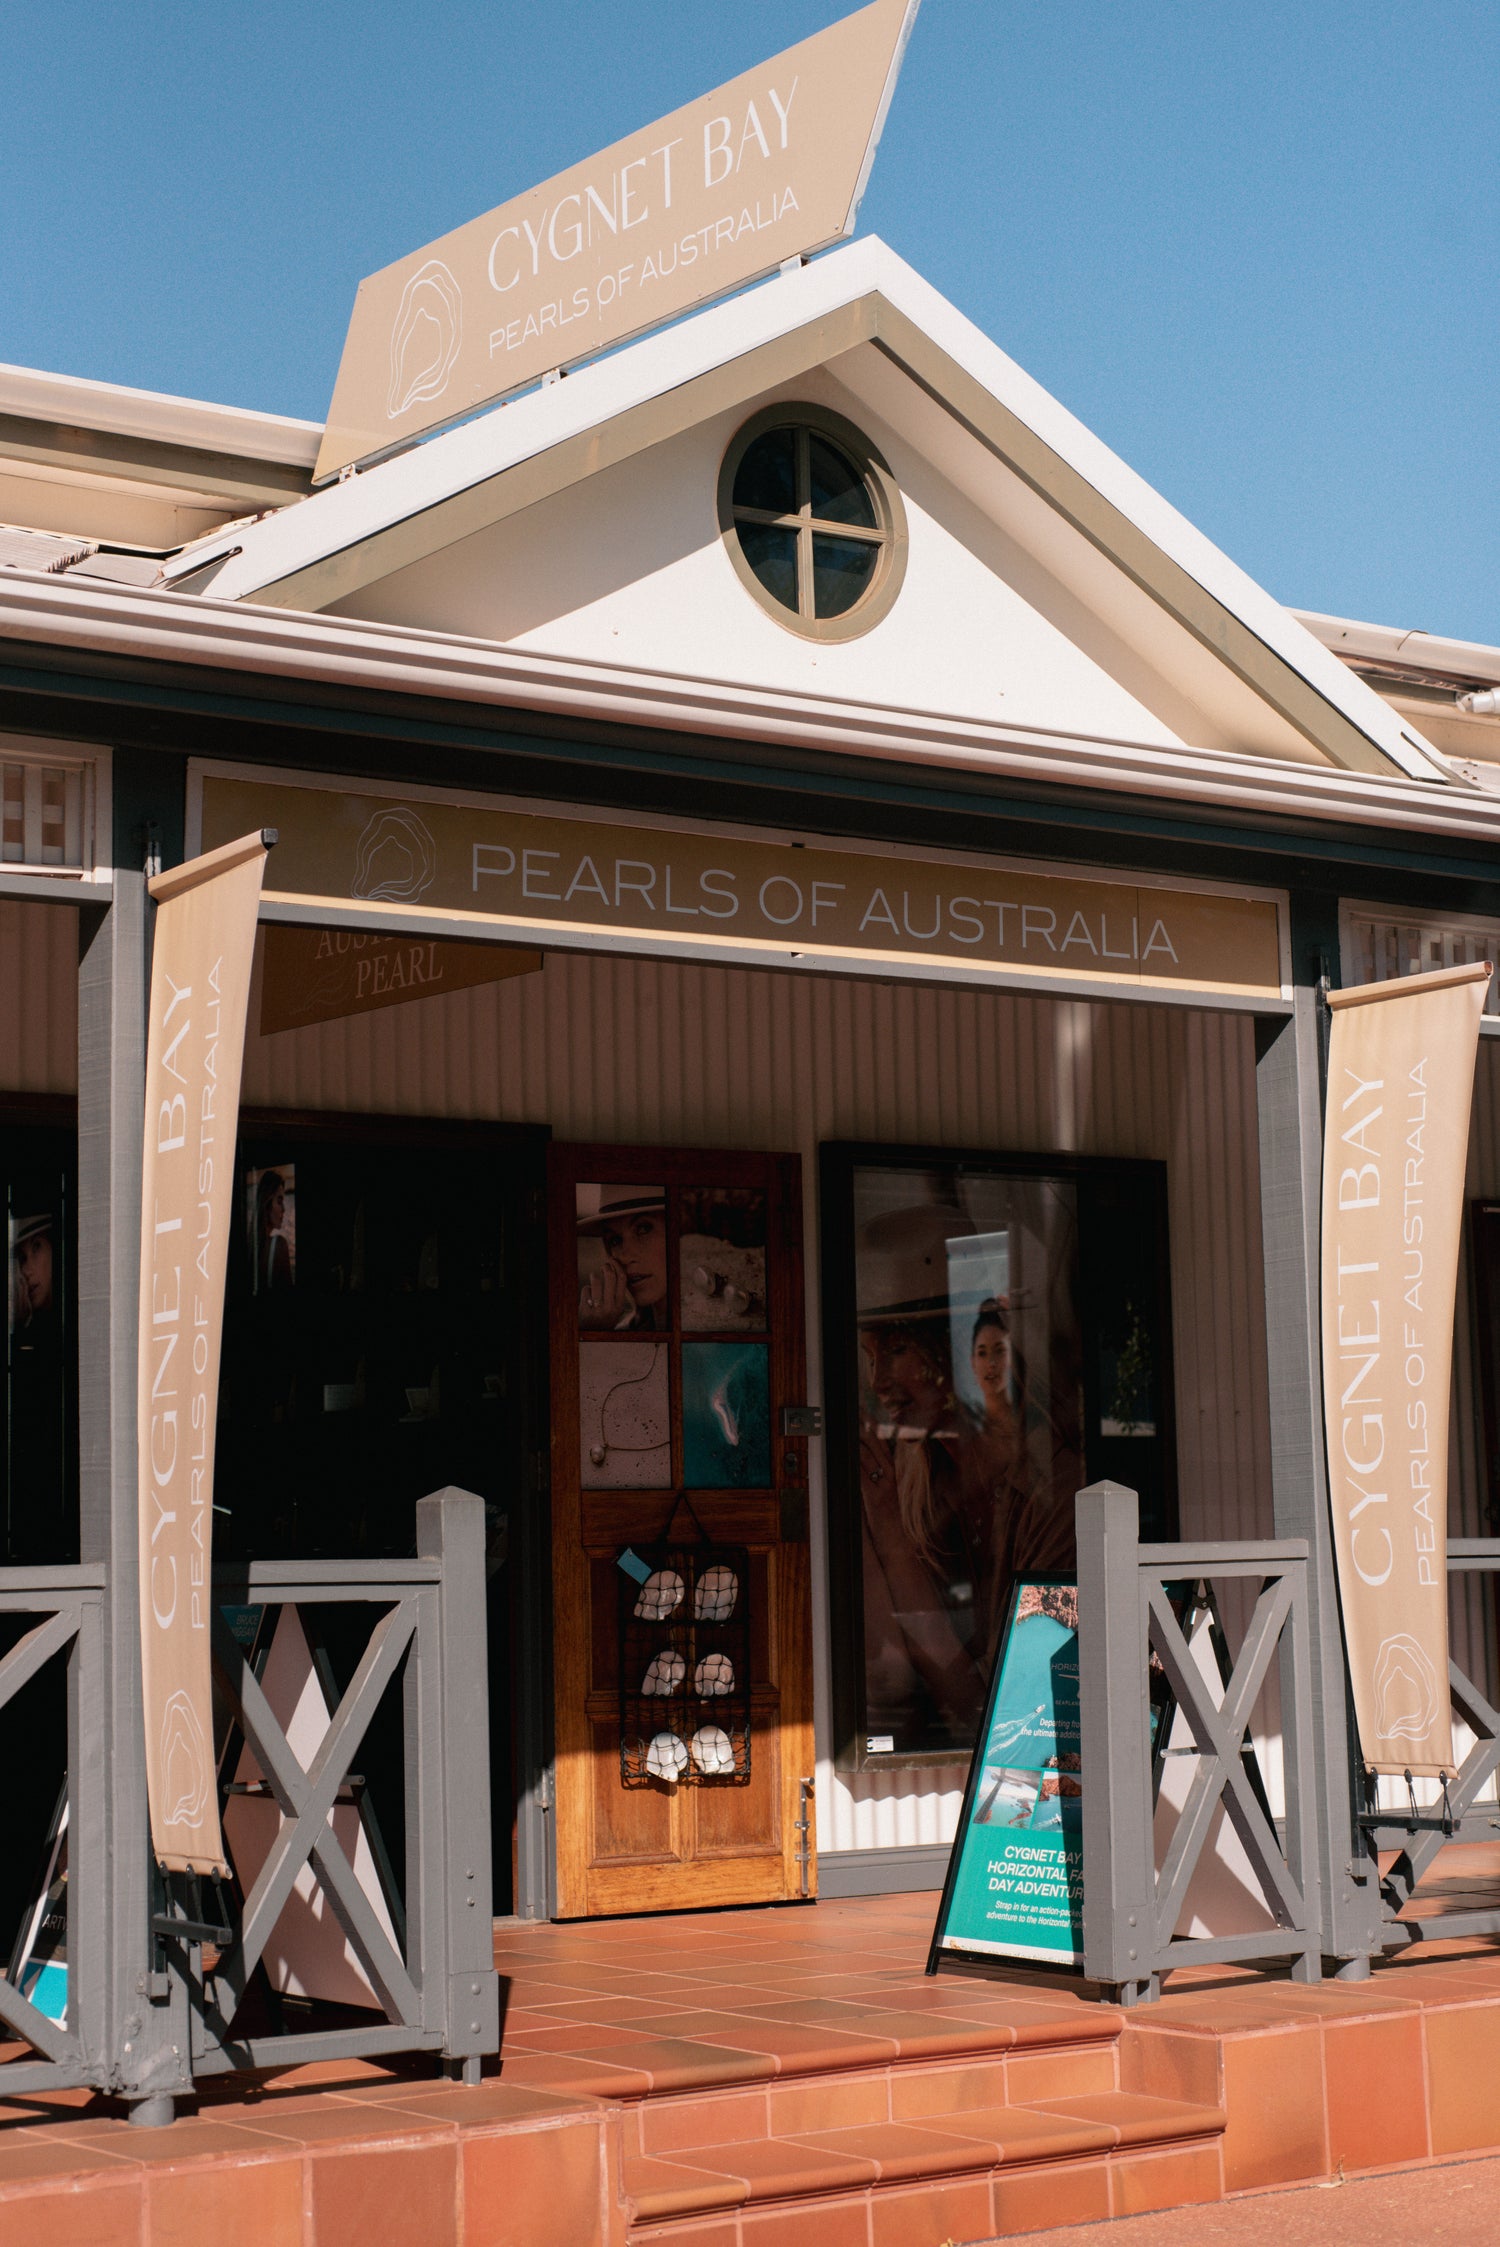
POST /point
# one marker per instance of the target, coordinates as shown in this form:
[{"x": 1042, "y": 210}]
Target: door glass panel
[
  {"x": 726, "y": 1415},
  {"x": 623, "y": 1284},
  {"x": 624, "y": 1415},
  {"x": 722, "y": 1253}
]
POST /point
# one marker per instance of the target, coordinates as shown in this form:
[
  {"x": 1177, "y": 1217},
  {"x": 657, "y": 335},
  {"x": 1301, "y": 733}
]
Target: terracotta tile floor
[
  {"x": 620, "y": 2009},
  {"x": 732, "y": 2079}
]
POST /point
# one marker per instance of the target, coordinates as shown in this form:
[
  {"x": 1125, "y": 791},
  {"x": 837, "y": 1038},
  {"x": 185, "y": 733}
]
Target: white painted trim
[
  {"x": 1474, "y": 924},
  {"x": 188, "y": 629},
  {"x": 61, "y": 884}
]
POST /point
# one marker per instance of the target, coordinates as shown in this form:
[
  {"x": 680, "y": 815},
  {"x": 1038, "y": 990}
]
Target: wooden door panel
[
  {"x": 657, "y": 1848},
  {"x": 629, "y": 1827},
  {"x": 745, "y": 1821},
  {"x": 734, "y": 1517}
]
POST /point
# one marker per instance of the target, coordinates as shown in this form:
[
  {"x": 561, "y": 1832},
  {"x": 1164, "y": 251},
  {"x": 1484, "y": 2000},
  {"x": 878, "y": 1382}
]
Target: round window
[{"x": 812, "y": 521}]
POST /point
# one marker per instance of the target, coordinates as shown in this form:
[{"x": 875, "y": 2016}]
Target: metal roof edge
[
  {"x": 191, "y": 630},
  {"x": 1410, "y": 647},
  {"x": 74, "y": 401}
]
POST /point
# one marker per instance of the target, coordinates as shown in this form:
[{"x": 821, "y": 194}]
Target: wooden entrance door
[{"x": 677, "y": 1342}]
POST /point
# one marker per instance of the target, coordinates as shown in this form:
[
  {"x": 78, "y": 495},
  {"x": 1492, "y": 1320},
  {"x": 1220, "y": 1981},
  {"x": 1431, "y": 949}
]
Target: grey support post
[
  {"x": 456, "y": 1908},
  {"x": 1119, "y": 1866},
  {"x": 146, "y": 2023},
  {"x": 1289, "y": 1100}
]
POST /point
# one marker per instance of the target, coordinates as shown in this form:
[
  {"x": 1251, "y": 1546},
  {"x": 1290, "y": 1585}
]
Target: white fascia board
[
  {"x": 351, "y": 653},
  {"x": 341, "y": 515},
  {"x": 31, "y": 394},
  {"x": 344, "y": 514},
  {"x": 1144, "y": 507}
]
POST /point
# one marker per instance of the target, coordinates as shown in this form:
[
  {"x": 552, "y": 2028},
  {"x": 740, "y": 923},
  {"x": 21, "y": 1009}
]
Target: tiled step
[
  {"x": 603, "y": 2048},
  {"x": 760, "y": 2190}
]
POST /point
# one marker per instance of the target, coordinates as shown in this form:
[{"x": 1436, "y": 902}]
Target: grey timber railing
[
  {"x": 1126, "y": 1621},
  {"x": 432, "y": 1970},
  {"x": 64, "y": 1608},
  {"x": 179, "y": 1980}
]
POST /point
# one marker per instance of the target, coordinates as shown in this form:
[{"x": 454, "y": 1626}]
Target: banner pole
[
  {"x": 142, "y": 2016},
  {"x": 1290, "y": 1082}
]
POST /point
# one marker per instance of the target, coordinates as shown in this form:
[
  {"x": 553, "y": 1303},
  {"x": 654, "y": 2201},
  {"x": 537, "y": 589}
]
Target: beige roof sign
[{"x": 769, "y": 167}]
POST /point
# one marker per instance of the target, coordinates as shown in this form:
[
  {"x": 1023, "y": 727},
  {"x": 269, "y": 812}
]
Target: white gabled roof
[{"x": 264, "y": 560}]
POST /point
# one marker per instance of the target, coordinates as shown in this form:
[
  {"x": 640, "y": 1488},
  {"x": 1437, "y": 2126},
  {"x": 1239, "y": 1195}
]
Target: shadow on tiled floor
[{"x": 774, "y": 2076}]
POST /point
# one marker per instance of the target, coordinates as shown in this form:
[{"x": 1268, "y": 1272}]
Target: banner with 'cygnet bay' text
[
  {"x": 200, "y": 989},
  {"x": 1395, "y": 1144}
]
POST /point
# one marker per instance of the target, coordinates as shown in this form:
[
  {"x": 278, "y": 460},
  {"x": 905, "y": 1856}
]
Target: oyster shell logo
[
  {"x": 187, "y": 1770},
  {"x": 1406, "y": 1689},
  {"x": 395, "y": 858},
  {"x": 425, "y": 336}
]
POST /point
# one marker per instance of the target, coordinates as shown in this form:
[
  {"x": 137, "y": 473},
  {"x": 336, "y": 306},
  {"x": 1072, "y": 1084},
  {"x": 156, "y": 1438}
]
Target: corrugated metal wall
[
  {"x": 630, "y": 1051},
  {"x": 38, "y": 997}
]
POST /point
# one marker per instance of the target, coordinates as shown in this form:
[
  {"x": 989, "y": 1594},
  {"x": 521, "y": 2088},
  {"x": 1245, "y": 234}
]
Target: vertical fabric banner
[
  {"x": 200, "y": 989},
  {"x": 1395, "y": 1146}
]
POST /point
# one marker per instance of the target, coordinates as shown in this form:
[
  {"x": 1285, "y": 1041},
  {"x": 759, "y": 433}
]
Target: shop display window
[
  {"x": 1484, "y": 1252},
  {"x": 996, "y": 1336},
  {"x": 39, "y": 1412},
  {"x": 374, "y": 1344}
]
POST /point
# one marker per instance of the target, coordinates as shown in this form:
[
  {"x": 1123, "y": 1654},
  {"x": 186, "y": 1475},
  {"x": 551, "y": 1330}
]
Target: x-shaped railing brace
[
  {"x": 306, "y": 1800},
  {"x": 1219, "y": 1738},
  {"x": 18, "y": 1668}
]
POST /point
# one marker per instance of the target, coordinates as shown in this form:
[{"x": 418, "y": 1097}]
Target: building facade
[{"x": 784, "y": 1040}]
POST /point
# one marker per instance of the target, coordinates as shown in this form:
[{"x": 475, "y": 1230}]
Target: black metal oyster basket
[{"x": 685, "y": 1660}]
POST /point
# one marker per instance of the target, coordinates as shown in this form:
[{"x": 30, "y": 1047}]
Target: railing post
[
  {"x": 88, "y": 1868},
  {"x": 145, "y": 2054},
  {"x": 1289, "y": 1101},
  {"x": 1304, "y": 1818},
  {"x": 457, "y": 1890},
  {"x": 1119, "y": 1866}
]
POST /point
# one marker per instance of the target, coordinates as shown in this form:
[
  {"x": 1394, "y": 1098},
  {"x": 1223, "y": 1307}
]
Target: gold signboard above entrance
[
  {"x": 769, "y": 167},
  {"x": 539, "y": 876}
]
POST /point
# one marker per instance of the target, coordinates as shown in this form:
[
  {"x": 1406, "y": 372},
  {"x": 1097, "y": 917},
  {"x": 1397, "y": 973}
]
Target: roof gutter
[
  {"x": 190, "y": 631},
  {"x": 1403, "y": 653}
]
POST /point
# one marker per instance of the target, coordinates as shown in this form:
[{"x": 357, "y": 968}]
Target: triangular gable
[{"x": 1236, "y": 663}]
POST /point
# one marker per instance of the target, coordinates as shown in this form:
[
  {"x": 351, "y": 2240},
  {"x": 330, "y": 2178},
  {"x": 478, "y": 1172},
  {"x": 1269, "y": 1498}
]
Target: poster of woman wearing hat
[
  {"x": 623, "y": 1282},
  {"x": 31, "y": 1268},
  {"x": 966, "y": 1473},
  {"x": 42, "y": 1524}
]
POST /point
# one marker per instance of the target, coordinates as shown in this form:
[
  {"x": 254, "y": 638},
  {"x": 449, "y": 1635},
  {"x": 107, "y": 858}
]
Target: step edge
[{"x": 1209, "y": 2123}]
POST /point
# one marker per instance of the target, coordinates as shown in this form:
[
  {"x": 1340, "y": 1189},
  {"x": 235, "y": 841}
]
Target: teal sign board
[{"x": 1015, "y": 1878}]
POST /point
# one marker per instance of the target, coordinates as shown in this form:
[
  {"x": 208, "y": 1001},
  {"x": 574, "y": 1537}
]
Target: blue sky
[{"x": 1254, "y": 246}]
